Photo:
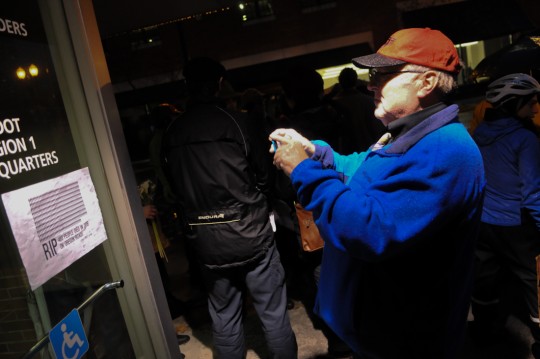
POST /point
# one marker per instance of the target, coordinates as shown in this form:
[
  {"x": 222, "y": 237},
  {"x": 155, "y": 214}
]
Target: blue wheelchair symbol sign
[{"x": 68, "y": 338}]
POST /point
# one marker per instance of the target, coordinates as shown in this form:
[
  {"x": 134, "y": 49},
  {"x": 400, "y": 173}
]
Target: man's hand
[
  {"x": 150, "y": 211},
  {"x": 292, "y": 148},
  {"x": 288, "y": 135}
]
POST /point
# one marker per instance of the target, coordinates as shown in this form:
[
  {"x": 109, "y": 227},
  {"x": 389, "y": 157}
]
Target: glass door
[{"x": 60, "y": 232}]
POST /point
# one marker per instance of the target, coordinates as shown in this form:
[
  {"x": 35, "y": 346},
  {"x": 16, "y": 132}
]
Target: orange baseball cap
[{"x": 425, "y": 47}]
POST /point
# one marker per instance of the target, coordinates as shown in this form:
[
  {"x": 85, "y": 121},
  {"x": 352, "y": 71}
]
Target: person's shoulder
[
  {"x": 527, "y": 137},
  {"x": 239, "y": 118},
  {"x": 451, "y": 139},
  {"x": 452, "y": 151},
  {"x": 455, "y": 131},
  {"x": 458, "y": 143}
]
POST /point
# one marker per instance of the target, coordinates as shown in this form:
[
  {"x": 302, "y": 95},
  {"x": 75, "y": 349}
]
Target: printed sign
[
  {"x": 68, "y": 338},
  {"x": 36, "y": 141},
  {"x": 54, "y": 222}
]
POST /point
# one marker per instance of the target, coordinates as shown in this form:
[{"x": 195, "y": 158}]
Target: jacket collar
[{"x": 410, "y": 129}]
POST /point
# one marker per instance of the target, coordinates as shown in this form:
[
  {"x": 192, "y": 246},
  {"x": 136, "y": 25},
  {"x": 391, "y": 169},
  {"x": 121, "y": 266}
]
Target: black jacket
[{"x": 220, "y": 177}]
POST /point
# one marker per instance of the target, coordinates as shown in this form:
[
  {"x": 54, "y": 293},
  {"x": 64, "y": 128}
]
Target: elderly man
[{"x": 399, "y": 220}]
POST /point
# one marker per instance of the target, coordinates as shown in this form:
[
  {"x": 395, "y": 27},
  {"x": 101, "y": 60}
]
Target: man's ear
[{"x": 428, "y": 83}]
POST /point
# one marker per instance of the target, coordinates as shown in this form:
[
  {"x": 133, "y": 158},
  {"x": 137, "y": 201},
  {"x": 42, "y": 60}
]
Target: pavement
[{"x": 312, "y": 344}]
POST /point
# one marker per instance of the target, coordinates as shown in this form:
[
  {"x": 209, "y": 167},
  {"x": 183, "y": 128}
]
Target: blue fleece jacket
[
  {"x": 399, "y": 226},
  {"x": 512, "y": 162}
]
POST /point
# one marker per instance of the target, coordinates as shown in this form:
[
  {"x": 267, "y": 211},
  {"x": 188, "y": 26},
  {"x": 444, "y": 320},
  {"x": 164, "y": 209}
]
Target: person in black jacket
[{"x": 220, "y": 178}]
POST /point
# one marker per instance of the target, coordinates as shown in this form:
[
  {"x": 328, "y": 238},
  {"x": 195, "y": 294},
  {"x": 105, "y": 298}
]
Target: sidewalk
[{"x": 311, "y": 342}]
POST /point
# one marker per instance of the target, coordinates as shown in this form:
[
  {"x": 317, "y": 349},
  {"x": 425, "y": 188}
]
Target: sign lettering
[{"x": 19, "y": 145}]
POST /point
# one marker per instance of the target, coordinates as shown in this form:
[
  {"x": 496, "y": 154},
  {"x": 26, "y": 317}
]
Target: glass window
[
  {"x": 472, "y": 53},
  {"x": 38, "y": 144},
  {"x": 330, "y": 75},
  {"x": 256, "y": 10}
]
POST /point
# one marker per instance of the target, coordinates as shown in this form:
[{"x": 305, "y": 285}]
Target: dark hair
[
  {"x": 304, "y": 86},
  {"x": 348, "y": 78},
  {"x": 202, "y": 76}
]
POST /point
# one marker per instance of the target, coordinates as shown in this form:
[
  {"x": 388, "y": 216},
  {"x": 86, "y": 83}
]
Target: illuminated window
[
  {"x": 256, "y": 11},
  {"x": 330, "y": 75},
  {"x": 472, "y": 53}
]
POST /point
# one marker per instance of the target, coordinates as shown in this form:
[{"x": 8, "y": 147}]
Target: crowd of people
[{"x": 418, "y": 215}]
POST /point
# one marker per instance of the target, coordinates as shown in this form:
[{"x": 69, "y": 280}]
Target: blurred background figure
[
  {"x": 309, "y": 113},
  {"x": 253, "y": 102},
  {"x": 230, "y": 98},
  {"x": 360, "y": 127},
  {"x": 160, "y": 243},
  {"x": 165, "y": 199},
  {"x": 303, "y": 90},
  {"x": 160, "y": 118},
  {"x": 509, "y": 237}
]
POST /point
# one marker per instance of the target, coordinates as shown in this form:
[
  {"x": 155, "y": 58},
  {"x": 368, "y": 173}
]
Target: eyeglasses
[{"x": 375, "y": 76}]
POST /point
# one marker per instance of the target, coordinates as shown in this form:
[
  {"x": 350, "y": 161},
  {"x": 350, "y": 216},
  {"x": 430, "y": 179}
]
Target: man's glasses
[{"x": 375, "y": 75}]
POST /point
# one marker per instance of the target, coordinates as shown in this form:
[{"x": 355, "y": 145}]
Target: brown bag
[{"x": 309, "y": 233}]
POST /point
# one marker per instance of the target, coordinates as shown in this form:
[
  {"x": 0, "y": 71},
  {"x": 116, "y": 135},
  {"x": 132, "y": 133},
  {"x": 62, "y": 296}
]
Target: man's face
[
  {"x": 529, "y": 110},
  {"x": 395, "y": 92}
]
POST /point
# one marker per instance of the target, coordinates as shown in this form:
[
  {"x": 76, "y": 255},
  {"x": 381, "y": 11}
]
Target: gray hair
[{"x": 446, "y": 82}]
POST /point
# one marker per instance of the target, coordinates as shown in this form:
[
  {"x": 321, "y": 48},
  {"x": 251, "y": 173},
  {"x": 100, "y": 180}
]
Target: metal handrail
[{"x": 105, "y": 287}]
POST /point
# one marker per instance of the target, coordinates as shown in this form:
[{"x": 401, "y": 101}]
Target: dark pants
[
  {"x": 265, "y": 281},
  {"x": 514, "y": 249}
]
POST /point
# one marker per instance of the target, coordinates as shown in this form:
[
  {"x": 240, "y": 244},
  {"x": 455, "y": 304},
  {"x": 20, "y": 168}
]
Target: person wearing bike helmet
[{"x": 509, "y": 235}]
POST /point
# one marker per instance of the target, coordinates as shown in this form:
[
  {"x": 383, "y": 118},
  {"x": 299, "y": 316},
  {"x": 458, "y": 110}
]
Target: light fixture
[
  {"x": 33, "y": 70},
  {"x": 334, "y": 71},
  {"x": 21, "y": 74},
  {"x": 465, "y": 44}
]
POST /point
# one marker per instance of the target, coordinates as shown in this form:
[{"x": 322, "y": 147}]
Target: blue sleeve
[
  {"x": 345, "y": 165},
  {"x": 398, "y": 202},
  {"x": 529, "y": 172}
]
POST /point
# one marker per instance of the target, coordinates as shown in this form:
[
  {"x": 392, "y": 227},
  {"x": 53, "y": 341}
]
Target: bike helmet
[{"x": 510, "y": 87}]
